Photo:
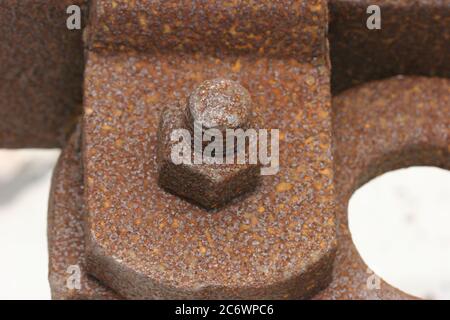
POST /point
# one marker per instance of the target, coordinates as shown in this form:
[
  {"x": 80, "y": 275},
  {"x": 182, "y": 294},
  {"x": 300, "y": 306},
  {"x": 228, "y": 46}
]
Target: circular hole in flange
[{"x": 400, "y": 224}]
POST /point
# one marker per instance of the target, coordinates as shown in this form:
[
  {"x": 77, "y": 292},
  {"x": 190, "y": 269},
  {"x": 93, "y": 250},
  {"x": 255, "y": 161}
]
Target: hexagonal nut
[{"x": 208, "y": 185}]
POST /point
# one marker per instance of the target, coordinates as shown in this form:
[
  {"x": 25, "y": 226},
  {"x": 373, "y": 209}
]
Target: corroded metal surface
[
  {"x": 280, "y": 28},
  {"x": 41, "y": 72},
  {"x": 66, "y": 230},
  {"x": 279, "y": 241},
  {"x": 413, "y": 40},
  {"x": 134, "y": 227},
  {"x": 42, "y": 61},
  {"x": 220, "y": 104},
  {"x": 378, "y": 127}
]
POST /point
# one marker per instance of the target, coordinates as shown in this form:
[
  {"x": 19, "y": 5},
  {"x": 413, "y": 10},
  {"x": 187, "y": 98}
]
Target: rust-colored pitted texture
[
  {"x": 66, "y": 230},
  {"x": 220, "y": 104},
  {"x": 378, "y": 127},
  {"x": 278, "y": 242},
  {"x": 263, "y": 246},
  {"x": 41, "y": 73},
  {"x": 267, "y": 27},
  {"x": 414, "y": 39}
]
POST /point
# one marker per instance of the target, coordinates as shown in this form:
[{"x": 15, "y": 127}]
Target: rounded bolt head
[{"x": 219, "y": 104}]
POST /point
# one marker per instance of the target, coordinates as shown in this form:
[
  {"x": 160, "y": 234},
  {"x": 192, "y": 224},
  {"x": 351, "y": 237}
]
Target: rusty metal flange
[
  {"x": 277, "y": 242},
  {"x": 377, "y": 127}
]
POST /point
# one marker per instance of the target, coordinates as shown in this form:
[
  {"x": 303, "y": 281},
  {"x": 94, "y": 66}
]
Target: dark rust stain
[
  {"x": 41, "y": 73},
  {"x": 413, "y": 40}
]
